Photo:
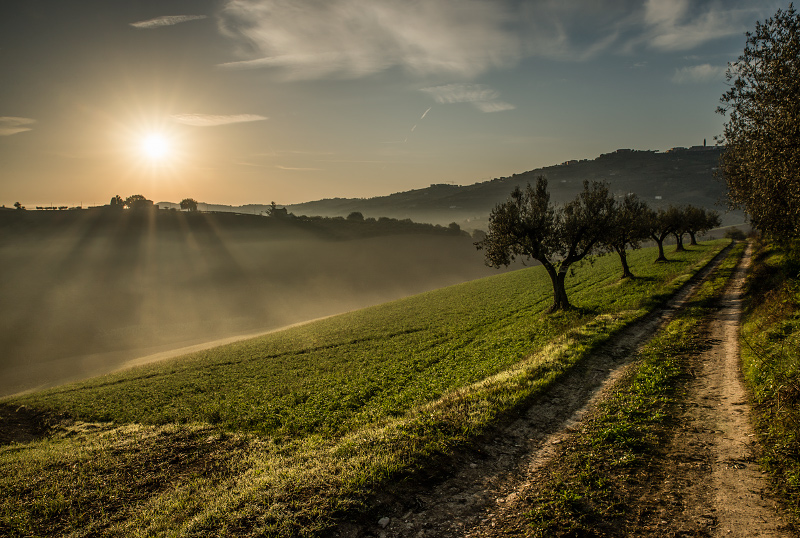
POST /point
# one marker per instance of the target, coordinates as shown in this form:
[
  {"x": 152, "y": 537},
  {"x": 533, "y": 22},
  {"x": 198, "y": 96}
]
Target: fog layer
[{"x": 85, "y": 292}]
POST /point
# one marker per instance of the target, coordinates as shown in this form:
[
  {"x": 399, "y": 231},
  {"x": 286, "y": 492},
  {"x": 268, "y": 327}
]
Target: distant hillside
[
  {"x": 84, "y": 291},
  {"x": 681, "y": 176}
]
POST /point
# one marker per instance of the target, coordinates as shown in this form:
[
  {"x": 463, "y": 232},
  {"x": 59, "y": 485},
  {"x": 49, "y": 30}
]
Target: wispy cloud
[
  {"x": 10, "y": 125},
  {"x": 493, "y": 106},
  {"x": 699, "y": 74},
  {"x": 308, "y": 39},
  {"x": 677, "y": 25},
  {"x": 354, "y": 38},
  {"x": 481, "y": 97},
  {"x": 211, "y": 120},
  {"x": 461, "y": 93},
  {"x": 291, "y": 152},
  {"x": 298, "y": 169},
  {"x": 166, "y": 20}
]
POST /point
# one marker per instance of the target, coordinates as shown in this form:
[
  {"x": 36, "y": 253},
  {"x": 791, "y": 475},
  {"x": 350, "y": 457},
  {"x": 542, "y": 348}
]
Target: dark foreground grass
[
  {"x": 771, "y": 362},
  {"x": 281, "y": 435},
  {"x": 592, "y": 487}
]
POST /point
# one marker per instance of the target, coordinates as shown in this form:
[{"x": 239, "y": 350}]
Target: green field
[{"x": 282, "y": 434}]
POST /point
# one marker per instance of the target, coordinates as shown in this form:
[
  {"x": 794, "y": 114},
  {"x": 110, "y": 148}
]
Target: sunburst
[{"x": 156, "y": 147}]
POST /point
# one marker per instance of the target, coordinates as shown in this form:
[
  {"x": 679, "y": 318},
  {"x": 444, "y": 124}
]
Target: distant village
[{"x": 676, "y": 149}]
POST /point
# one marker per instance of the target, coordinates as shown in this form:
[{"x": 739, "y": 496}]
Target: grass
[
  {"x": 281, "y": 435},
  {"x": 590, "y": 489},
  {"x": 771, "y": 363}
]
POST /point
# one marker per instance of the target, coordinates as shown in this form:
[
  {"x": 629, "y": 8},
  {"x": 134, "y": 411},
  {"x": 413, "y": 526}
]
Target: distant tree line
[
  {"x": 138, "y": 201},
  {"x": 528, "y": 225},
  {"x": 135, "y": 201}
]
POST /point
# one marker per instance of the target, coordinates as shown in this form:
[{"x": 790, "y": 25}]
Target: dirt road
[
  {"x": 707, "y": 484},
  {"x": 710, "y": 467}
]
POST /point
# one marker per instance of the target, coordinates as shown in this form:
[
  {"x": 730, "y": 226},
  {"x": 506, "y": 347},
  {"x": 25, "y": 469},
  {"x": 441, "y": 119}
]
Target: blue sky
[{"x": 250, "y": 101}]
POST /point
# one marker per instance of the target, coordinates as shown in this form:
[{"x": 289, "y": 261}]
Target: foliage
[
  {"x": 698, "y": 220},
  {"x": 628, "y": 229},
  {"x": 690, "y": 220},
  {"x": 528, "y": 225},
  {"x": 454, "y": 228},
  {"x": 189, "y": 204},
  {"x": 661, "y": 223},
  {"x": 771, "y": 363},
  {"x": 736, "y": 234},
  {"x": 138, "y": 201},
  {"x": 762, "y": 135},
  {"x": 356, "y": 215},
  {"x": 677, "y": 219},
  {"x": 279, "y": 435}
]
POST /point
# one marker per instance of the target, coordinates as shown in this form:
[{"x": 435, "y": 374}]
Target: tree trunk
[
  {"x": 661, "y": 257},
  {"x": 623, "y": 258},
  {"x": 560, "y": 300},
  {"x": 693, "y": 241},
  {"x": 679, "y": 242}
]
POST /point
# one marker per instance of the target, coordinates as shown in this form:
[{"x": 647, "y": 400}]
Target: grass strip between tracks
[{"x": 586, "y": 491}]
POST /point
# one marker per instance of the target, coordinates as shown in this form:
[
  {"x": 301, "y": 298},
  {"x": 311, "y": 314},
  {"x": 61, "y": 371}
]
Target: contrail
[{"x": 426, "y": 112}]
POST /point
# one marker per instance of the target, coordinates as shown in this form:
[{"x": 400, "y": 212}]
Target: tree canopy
[
  {"x": 138, "y": 201},
  {"x": 189, "y": 204},
  {"x": 529, "y": 226},
  {"x": 761, "y": 163},
  {"x": 698, "y": 220},
  {"x": 661, "y": 223},
  {"x": 356, "y": 216},
  {"x": 628, "y": 228}
]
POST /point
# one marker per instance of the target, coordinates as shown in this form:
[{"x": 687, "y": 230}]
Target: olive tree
[
  {"x": 698, "y": 221},
  {"x": 629, "y": 227},
  {"x": 761, "y": 162},
  {"x": 660, "y": 224},
  {"x": 529, "y": 226},
  {"x": 677, "y": 217}
]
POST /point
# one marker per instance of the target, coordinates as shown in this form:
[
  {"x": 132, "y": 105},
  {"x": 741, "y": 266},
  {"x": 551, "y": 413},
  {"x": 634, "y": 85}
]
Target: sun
[{"x": 156, "y": 147}]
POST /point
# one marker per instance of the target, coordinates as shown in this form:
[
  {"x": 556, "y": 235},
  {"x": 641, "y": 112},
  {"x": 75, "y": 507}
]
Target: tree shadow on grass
[
  {"x": 21, "y": 424},
  {"x": 636, "y": 279}
]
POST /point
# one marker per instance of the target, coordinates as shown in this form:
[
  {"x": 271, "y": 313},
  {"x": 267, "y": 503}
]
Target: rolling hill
[{"x": 679, "y": 176}]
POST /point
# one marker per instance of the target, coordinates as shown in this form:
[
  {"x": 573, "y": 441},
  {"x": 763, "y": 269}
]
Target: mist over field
[{"x": 85, "y": 292}]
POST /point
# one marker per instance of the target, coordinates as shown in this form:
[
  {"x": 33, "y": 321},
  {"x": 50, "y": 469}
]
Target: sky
[{"x": 253, "y": 101}]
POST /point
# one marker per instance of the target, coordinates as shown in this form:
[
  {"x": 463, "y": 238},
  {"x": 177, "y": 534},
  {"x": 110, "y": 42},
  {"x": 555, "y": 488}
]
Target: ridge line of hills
[{"x": 677, "y": 177}]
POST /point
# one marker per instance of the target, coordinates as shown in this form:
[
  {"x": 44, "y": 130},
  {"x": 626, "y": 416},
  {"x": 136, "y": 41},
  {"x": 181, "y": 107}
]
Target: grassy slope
[
  {"x": 306, "y": 422},
  {"x": 771, "y": 363}
]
